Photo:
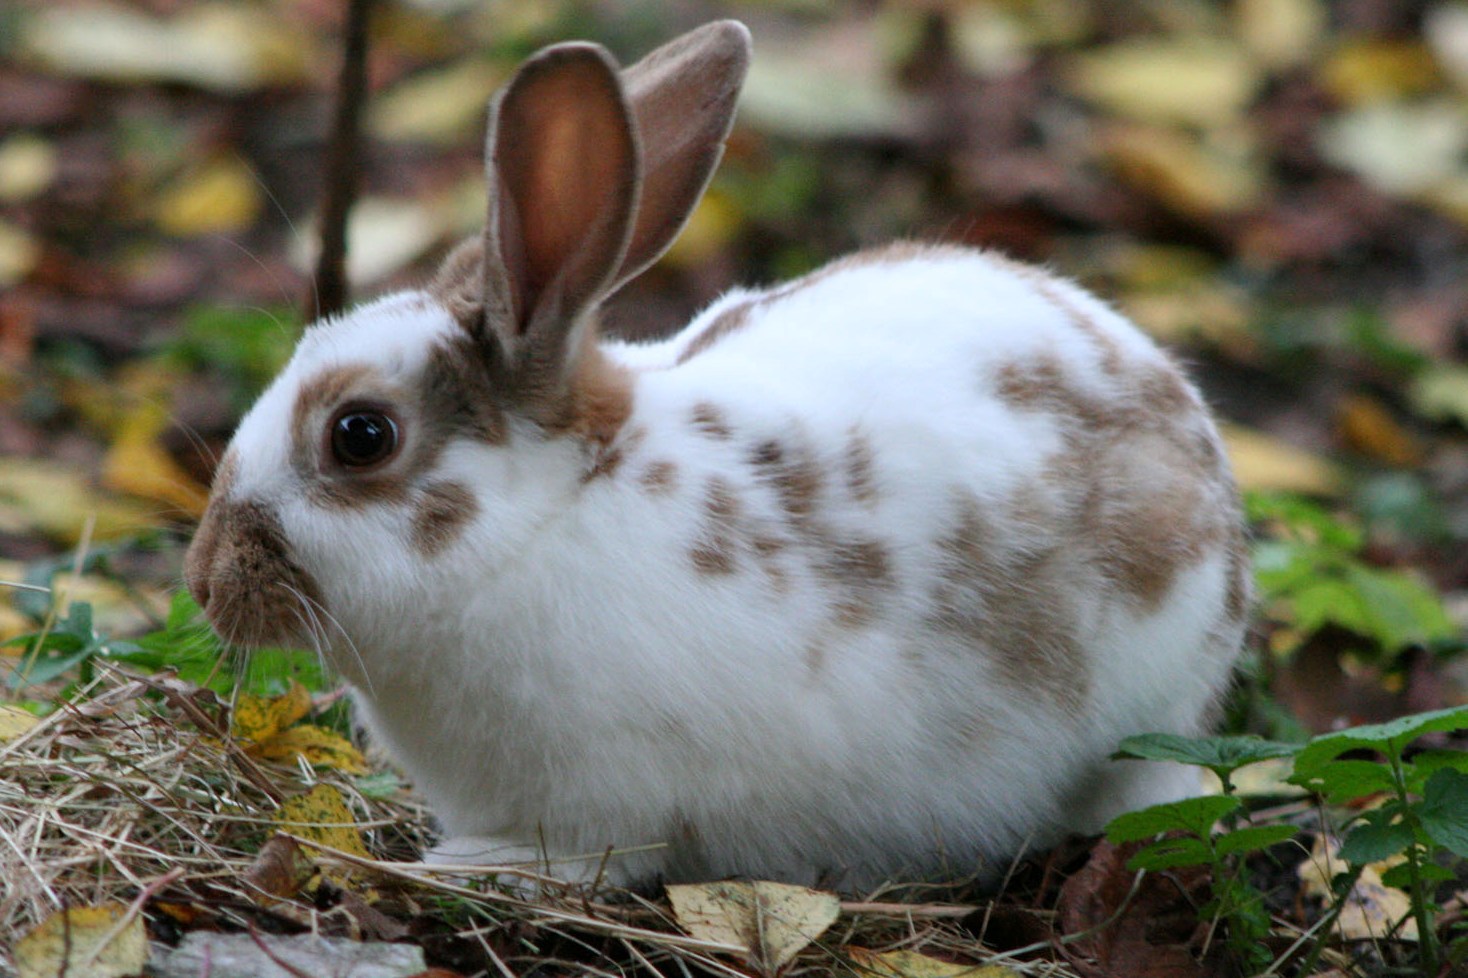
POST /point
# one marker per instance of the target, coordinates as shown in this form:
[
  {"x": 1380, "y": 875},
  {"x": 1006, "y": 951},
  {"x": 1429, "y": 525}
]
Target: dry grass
[{"x": 131, "y": 793}]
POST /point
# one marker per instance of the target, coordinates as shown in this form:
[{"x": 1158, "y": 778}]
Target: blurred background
[{"x": 1277, "y": 189}]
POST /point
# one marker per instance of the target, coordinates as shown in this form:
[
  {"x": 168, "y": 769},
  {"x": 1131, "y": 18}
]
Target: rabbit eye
[{"x": 363, "y": 438}]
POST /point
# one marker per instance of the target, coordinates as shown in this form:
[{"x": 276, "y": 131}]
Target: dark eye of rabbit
[{"x": 363, "y": 438}]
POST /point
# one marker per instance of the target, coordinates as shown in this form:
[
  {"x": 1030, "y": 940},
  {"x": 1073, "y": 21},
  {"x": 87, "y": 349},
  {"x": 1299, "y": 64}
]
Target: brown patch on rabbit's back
[
  {"x": 660, "y": 478},
  {"x": 730, "y": 320},
  {"x": 1012, "y": 603},
  {"x": 441, "y": 513},
  {"x": 715, "y": 551},
  {"x": 861, "y": 462},
  {"x": 709, "y": 419}
]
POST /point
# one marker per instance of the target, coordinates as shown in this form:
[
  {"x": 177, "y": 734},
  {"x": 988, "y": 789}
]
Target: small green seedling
[{"x": 1191, "y": 837}]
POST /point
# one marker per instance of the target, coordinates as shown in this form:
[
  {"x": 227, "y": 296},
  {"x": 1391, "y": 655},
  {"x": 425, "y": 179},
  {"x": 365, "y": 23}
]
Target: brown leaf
[
  {"x": 280, "y": 868},
  {"x": 1155, "y": 934}
]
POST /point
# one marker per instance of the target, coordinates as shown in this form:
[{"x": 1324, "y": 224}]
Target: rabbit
[{"x": 856, "y": 578}]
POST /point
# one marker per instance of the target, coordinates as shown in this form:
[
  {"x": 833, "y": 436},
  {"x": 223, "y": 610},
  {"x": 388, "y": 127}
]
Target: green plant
[
  {"x": 1425, "y": 807},
  {"x": 1189, "y": 837}
]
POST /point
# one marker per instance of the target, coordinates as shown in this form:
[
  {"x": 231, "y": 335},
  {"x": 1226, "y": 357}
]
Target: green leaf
[
  {"x": 1374, "y": 840},
  {"x": 1343, "y": 781},
  {"x": 1443, "y": 813},
  {"x": 1194, "y": 815},
  {"x": 1253, "y": 838},
  {"x": 1220, "y": 754},
  {"x": 1172, "y": 853},
  {"x": 1389, "y": 738},
  {"x": 1400, "y": 609},
  {"x": 1400, "y": 875}
]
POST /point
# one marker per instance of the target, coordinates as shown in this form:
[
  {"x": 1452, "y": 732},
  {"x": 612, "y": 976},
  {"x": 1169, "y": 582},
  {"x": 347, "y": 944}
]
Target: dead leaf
[
  {"x": 1188, "y": 79},
  {"x": 19, "y": 253},
  {"x": 219, "y": 46},
  {"x": 36, "y": 494},
  {"x": 222, "y": 196},
  {"x": 1372, "y": 908},
  {"x": 1181, "y": 172},
  {"x": 436, "y": 106},
  {"x": 14, "y": 721},
  {"x": 1263, "y": 462},
  {"x": 1440, "y": 393},
  {"x": 280, "y": 868},
  {"x": 258, "y": 718},
  {"x": 773, "y": 921},
  {"x": 1281, "y": 33},
  {"x": 911, "y": 964},
  {"x": 1372, "y": 70},
  {"x": 1446, "y": 30},
  {"x": 319, "y": 746},
  {"x": 1399, "y": 148},
  {"x": 1367, "y": 427},
  {"x": 1147, "y": 933},
  {"x": 84, "y": 942},
  {"x": 321, "y": 815},
  {"x": 27, "y": 167}
]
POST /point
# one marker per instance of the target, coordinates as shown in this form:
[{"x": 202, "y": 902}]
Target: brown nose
[{"x": 199, "y": 560}]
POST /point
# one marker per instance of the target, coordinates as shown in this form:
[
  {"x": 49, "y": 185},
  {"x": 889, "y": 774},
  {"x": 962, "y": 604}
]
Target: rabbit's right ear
[{"x": 563, "y": 173}]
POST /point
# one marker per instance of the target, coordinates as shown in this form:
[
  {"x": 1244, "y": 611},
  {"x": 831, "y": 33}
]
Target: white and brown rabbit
[{"x": 860, "y": 576}]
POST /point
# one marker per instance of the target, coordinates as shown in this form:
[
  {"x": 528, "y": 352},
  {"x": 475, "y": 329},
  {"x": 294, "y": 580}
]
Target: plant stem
[{"x": 1426, "y": 934}]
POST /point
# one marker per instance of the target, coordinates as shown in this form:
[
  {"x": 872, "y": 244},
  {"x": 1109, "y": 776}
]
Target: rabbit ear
[
  {"x": 563, "y": 174},
  {"x": 683, "y": 96}
]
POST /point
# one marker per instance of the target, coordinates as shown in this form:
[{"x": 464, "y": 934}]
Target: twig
[{"x": 342, "y": 167}]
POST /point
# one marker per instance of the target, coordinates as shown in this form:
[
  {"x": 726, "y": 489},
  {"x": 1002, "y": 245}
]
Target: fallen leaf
[
  {"x": 1188, "y": 79},
  {"x": 436, "y": 106},
  {"x": 1440, "y": 393},
  {"x": 1398, "y": 148},
  {"x": 218, "y": 46},
  {"x": 258, "y": 718},
  {"x": 713, "y": 223},
  {"x": 1281, "y": 33},
  {"x": 280, "y": 868},
  {"x": 19, "y": 253},
  {"x": 1263, "y": 462},
  {"x": 222, "y": 196},
  {"x": 1181, "y": 172},
  {"x": 772, "y": 921},
  {"x": 84, "y": 942},
  {"x": 321, "y": 815},
  {"x": 27, "y": 167},
  {"x": 1446, "y": 30},
  {"x": 14, "y": 721},
  {"x": 319, "y": 746},
  {"x": 1372, "y": 908},
  {"x": 1367, "y": 427},
  {"x": 1373, "y": 70},
  {"x": 55, "y": 499},
  {"x": 911, "y": 964}
]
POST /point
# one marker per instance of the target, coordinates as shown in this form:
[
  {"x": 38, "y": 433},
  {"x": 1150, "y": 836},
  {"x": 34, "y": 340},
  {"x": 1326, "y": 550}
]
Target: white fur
[{"x": 562, "y": 676}]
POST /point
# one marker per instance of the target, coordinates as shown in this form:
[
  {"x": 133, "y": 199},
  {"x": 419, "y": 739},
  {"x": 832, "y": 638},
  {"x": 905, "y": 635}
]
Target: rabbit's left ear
[{"x": 682, "y": 96}]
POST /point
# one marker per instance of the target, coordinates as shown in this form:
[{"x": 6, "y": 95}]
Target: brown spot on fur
[
  {"x": 660, "y": 478},
  {"x": 728, "y": 321},
  {"x": 987, "y": 597},
  {"x": 714, "y": 552},
  {"x": 860, "y": 468},
  {"x": 1053, "y": 290},
  {"x": 795, "y": 477},
  {"x": 815, "y": 656},
  {"x": 241, "y": 571},
  {"x": 317, "y": 396},
  {"x": 609, "y": 458},
  {"x": 443, "y": 511},
  {"x": 708, "y": 419}
]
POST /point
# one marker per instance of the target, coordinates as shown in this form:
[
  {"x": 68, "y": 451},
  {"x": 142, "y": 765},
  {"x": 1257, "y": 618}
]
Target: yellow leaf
[
  {"x": 911, "y": 964},
  {"x": 141, "y": 467},
  {"x": 1441, "y": 393},
  {"x": 713, "y": 222},
  {"x": 1281, "y": 33},
  {"x": 56, "y": 500},
  {"x": 771, "y": 921},
  {"x": 1182, "y": 172},
  {"x": 1188, "y": 79},
  {"x": 1264, "y": 462},
  {"x": 436, "y": 106},
  {"x": 27, "y": 167},
  {"x": 214, "y": 45},
  {"x": 84, "y": 942},
  {"x": 317, "y": 745},
  {"x": 259, "y": 718},
  {"x": 1370, "y": 429},
  {"x": 321, "y": 815},
  {"x": 1372, "y": 908},
  {"x": 14, "y": 721},
  {"x": 18, "y": 254},
  {"x": 222, "y": 197},
  {"x": 1377, "y": 70}
]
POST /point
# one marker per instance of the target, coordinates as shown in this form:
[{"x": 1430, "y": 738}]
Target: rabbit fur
[{"x": 860, "y": 576}]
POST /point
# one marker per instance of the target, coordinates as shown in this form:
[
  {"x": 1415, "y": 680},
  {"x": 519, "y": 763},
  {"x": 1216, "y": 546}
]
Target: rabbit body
[{"x": 861, "y": 576}]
